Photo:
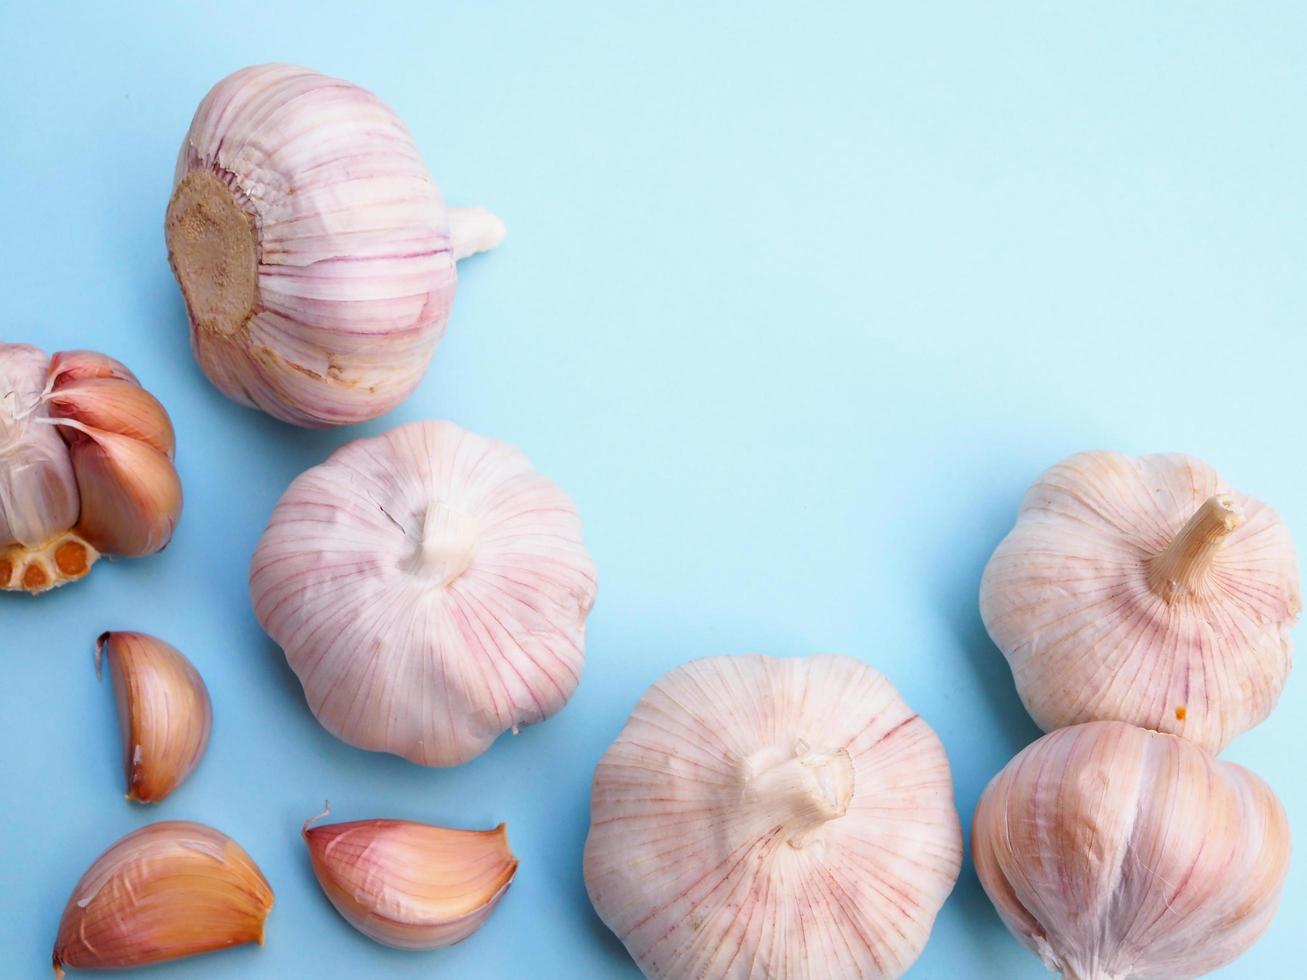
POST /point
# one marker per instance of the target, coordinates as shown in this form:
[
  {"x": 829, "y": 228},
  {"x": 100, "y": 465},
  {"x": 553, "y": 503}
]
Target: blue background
[{"x": 796, "y": 301}]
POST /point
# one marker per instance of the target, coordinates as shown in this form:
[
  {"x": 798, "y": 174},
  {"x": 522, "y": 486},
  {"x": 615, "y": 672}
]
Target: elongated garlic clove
[
  {"x": 1117, "y": 853},
  {"x": 114, "y": 405},
  {"x": 411, "y": 885},
  {"x": 164, "y": 711},
  {"x": 69, "y": 366},
  {"x": 168, "y": 890}
]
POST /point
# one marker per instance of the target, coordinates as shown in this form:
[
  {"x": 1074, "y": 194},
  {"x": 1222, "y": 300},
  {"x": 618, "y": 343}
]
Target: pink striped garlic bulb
[
  {"x": 772, "y": 818},
  {"x": 313, "y": 249},
  {"x": 85, "y": 467},
  {"x": 1144, "y": 589},
  {"x": 430, "y": 590},
  {"x": 1116, "y": 853}
]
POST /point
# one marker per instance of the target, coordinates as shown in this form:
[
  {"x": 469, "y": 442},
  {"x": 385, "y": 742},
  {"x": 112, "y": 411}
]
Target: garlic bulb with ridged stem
[
  {"x": 1144, "y": 589},
  {"x": 777, "y": 818}
]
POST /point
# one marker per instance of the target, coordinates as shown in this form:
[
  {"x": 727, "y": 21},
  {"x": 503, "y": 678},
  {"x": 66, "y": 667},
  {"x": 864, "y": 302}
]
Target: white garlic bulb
[
  {"x": 312, "y": 247},
  {"x": 1144, "y": 589},
  {"x": 1117, "y": 853},
  {"x": 773, "y": 818},
  {"x": 429, "y": 588}
]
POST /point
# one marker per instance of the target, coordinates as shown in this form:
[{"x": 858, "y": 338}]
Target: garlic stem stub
[
  {"x": 312, "y": 247},
  {"x": 168, "y": 890},
  {"x": 1144, "y": 589},
  {"x": 164, "y": 711},
  {"x": 1117, "y": 853},
  {"x": 411, "y": 885},
  {"x": 86, "y": 467},
  {"x": 764, "y": 817},
  {"x": 429, "y": 589}
]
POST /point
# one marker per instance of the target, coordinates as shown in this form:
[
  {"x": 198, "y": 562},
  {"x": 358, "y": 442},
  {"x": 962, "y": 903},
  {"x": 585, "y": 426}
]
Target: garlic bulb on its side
[
  {"x": 1117, "y": 853},
  {"x": 85, "y": 466},
  {"x": 312, "y": 247},
  {"x": 771, "y": 818},
  {"x": 430, "y": 590},
  {"x": 1144, "y": 589}
]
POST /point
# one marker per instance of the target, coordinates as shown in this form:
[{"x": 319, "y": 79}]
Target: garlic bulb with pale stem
[
  {"x": 771, "y": 818},
  {"x": 312, "y": 247},
  {"x": 1117, "y": 853},
  {"x": 430, "y": 590},
  {"x": 1144, "y": 589},
  {"x": 85, "y": 466}
]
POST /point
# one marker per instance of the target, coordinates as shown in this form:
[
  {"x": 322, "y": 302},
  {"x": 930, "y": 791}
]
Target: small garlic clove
[
  {"x": 114, "y": 405},
  {"x": 164, "y": 711},
  {"x": 69, "y": 366},
  {"x": 168, "y": 890},
  {"x": 411, "y": 885}
]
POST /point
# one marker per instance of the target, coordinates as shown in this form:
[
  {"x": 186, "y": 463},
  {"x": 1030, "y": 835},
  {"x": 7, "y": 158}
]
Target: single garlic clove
[
  {"x": 117, "y": 406},
  {"x": 168, "y": 890},
  {"x": 164, "y": 711},
  {"x": 1113, "y": 852},
  {"x": 411, "y": 885},
  {"x": 69, "y": 366}
]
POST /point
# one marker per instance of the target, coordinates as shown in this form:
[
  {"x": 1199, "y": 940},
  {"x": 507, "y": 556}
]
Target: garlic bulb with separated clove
[
  {"x": 430, "y": 590},
  {"x": 168, "y": 890},
  {"x": 1118, "y": 853},
  {"x": 410, "y": 885},
  {"x": 312, "y": 247},
  {"x": 1144, "y": 589},
  {"x": 771, "y": 818},
  {"x": 163, "y": 711},
  {"x": 85, "y": 466}
]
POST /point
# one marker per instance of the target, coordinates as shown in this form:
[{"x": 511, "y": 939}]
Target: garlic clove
[
  {"x": 411, "y": 885},
  {"x": 164, "y": 711},
  {"x": 69, "y": 366},
  {"x": 117, "y": 406},
  {"x": 168, "y": 890}
]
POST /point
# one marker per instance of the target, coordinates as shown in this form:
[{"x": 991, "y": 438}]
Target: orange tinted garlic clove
[
  {"x": 117, "y": 406},
  {"x": 411, "y": 885},
  {"x": 69, "y": 366},
  {"x": 164, "y": 712},
  {"x": 168, "y": 890}
]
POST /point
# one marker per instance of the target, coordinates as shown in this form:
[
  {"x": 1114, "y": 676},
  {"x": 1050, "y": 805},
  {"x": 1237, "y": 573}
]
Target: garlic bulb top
[
  {"x": 1117, "y": 853},
  {"x": 1144, "y": 589},
  {"x": 772, "y": 818},
  {"x": 85, "y": 466},
  {"x": 312, "y": 247},
  {"x": 429, "y": 588}
]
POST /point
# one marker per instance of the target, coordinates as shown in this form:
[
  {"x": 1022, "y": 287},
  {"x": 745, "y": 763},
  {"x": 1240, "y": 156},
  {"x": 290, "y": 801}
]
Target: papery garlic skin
[
  {"x": 85, "y": 466},
  {"x": 1116, "y": 853},
  {"x": 411, "y": 885},
  {"x": 776, "y": 818},
  {"x": 1144, "y": 589},
  {"x": 430, "y": 590},
  {"x": 164, "y": 711},
  {"x": 168, "y": 890},
  {"x": 312, "y": 247}
]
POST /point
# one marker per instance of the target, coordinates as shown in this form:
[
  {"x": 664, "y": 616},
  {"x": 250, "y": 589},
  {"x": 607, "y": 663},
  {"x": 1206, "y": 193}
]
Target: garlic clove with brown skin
[
  {"x": 1116, "y": 853},
  {"x": 762, "y": 817},
  {"x": 69, "y": 366},
  {"x": 1144, "y": 589},
  {"x": 166, "y": 891},
  {"x": 164, "y": 711},
  {"x": 411, "y": 885},
  {"x": 114, "y": 405}
]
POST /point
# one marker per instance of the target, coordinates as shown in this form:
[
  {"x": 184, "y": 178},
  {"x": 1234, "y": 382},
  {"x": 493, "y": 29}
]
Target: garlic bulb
[
  {"x": 770, "y": 818},
  {"x": 163, "y": 711},
  {"x": 1118, "y": 853},
  {"x": 429, "y": 588},
  {"x": 410, "y": 885},
  {"x": 168, "y": 890},
  {"x": 312, "y": 247},
  {"x": 85, "y": 466},
  {"x": 1144, "y": 589}
]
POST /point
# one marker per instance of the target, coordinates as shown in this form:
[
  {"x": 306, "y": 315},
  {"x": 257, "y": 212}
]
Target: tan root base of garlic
[{"x": 64, "y": 558}]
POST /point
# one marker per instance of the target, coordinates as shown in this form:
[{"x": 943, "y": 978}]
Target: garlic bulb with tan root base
[
  {"x": 312, "y": 247},
  {"x": 1144, "y": 589},
  {"x": 85, "y": 466},
  {"x": 430, "y": 590},
  {"x": 1121, "y": 854},
  {"x": 763, "y": 818}
]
